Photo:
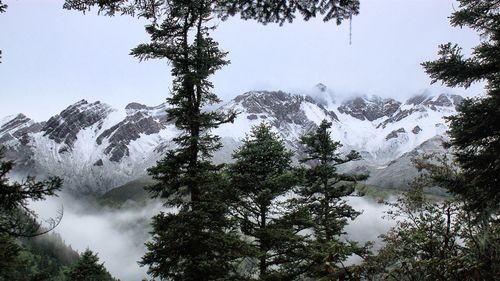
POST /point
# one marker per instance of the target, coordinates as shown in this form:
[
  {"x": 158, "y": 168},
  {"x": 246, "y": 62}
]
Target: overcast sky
[{"x": 53, "y": 58}]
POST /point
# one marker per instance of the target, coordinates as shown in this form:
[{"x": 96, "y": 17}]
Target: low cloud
[{"x": 118, "y": 235}]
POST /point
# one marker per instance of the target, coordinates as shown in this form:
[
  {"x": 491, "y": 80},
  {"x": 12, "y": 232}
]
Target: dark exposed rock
[
  {"x": 321, "y": 87},
  {"x": 417, "y": 99},
  {"x": 394, "y": 134},
  {"x": 15, "y": 138},
  {"x": 130, "y": 129},
  {"x": 416, "y": 130},
  {"x": 283, "y": 106},
  {"x": 457, "y": 100},
  {"x": 16, "y": 122},
  {"x": 64, "y": 127},
  {"x": 99, "y": 163},
  {"x": 421, "y": 103},
  {"x": 444, "y": 100},
  {"x": 135, "y": 106},
  {"x": 363, "y": 108},
  {"x": 19, "y": 128},
  {"x": 252, "y": 117}
]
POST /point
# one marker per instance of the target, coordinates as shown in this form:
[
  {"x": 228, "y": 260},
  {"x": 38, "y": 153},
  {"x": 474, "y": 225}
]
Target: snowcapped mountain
[{"x": 96, "y": 148}]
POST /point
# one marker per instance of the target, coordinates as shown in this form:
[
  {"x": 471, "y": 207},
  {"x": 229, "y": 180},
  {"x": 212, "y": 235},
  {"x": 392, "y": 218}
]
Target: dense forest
[{"x": 261, "y": 217}]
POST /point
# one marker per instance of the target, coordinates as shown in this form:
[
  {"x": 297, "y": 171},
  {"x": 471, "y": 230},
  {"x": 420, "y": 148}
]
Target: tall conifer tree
[
  {"x": 88, "y": 268},
  {"x": 263, "y": 176},
  {"x": 322, "y": 207},
  {"x": 457, "y": 240},
  {"x": 475, "y": 130}
]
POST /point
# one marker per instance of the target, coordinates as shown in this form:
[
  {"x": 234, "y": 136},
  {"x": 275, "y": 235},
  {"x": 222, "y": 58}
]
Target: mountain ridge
[{"x": 95, "y": 147}]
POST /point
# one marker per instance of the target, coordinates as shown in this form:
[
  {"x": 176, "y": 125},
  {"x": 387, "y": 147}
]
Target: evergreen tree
[
  {"x": 180, "y": 33},
  {"x": 475, "y": 130},
  {"x": 474, "y": 135},
  {"x": 88, "y": 268},
  {"x": 16, "y": 219},
  {"x": 424, "y": 244},
  {"x": 12, "y": 265},
  {"x": 322, "y": 208},
  {"x": 435, "y": 240},
  {"x": 262, "y": 177},
  {"x": 198, "y": 240}
]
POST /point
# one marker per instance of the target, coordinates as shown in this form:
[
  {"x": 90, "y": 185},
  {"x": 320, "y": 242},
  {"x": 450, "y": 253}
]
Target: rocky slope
[{"x": 95, "y": 147}]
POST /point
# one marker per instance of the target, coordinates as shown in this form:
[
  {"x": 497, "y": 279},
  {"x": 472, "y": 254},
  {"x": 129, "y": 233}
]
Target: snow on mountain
[
  {"x": 289, "y": 115},
  {"x": 384, "y": 129},
  {"x": 95, "y": 147}
]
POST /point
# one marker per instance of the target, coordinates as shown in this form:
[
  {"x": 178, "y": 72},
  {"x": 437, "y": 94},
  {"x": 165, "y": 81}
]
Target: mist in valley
[{"x": 118, "y": 234}]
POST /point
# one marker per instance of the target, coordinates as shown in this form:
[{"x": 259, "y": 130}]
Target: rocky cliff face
[
  {"x": 64, "y": 127},
  {"x": 95, "y": 147},
  {"x": 370, "y": 109},
  {"x": 140, "y": 120}
]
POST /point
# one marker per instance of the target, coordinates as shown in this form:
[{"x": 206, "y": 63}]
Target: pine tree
[
  {"x": 16, "y": 219},
  {"x": 12, "y": 264},
  {"x": 322, "y": 208},
  {"x": 475, "y": 134},
  {"x": 88, "y": 268},
  {"x": 262, "y": 176},
  {"x": 475, "y": 130},
  {"x": 198, "y": 243}
]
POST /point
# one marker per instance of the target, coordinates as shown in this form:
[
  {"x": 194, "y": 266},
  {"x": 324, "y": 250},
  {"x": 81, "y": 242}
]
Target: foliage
[
  {"x": 475, "y": 137},
  {"x": 434, "y": 241},
  {"x": 321, "y": 207},
  {"x": 49, "y": 256},
  {"x": 475, "y": 130},
  {"x": 12, "y": 264},
  {"x": 204, "y": 237},
  {"x": 261, "y": 11},
  {"x": 16, "y": 219},
  {"x": 262, "y": 178},
  {"x": 43, "y": 257},
  {"x": 458, "y": 239},
  {"x": 88, "y": 268}
]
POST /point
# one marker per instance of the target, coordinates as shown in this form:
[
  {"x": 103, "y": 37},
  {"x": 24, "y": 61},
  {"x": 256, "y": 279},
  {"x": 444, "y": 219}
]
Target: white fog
[{"x": 118, "y": 235}]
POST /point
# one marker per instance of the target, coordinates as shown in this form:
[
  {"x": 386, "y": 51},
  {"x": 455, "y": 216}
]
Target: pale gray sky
[{"x": 53, "y": 58}]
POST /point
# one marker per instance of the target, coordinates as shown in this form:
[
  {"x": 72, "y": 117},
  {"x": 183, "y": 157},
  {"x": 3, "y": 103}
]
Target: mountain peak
[
  {"x": 96, "y": 148},
  {"x": 321, "y": 87},
  {"x": 418, "y": 99},
  {"x": 14, "y": 122},
  {"x": 64, "y": 127},
  {"x": 369, "y": 108},
  {"x": 134, "y": 107}
]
